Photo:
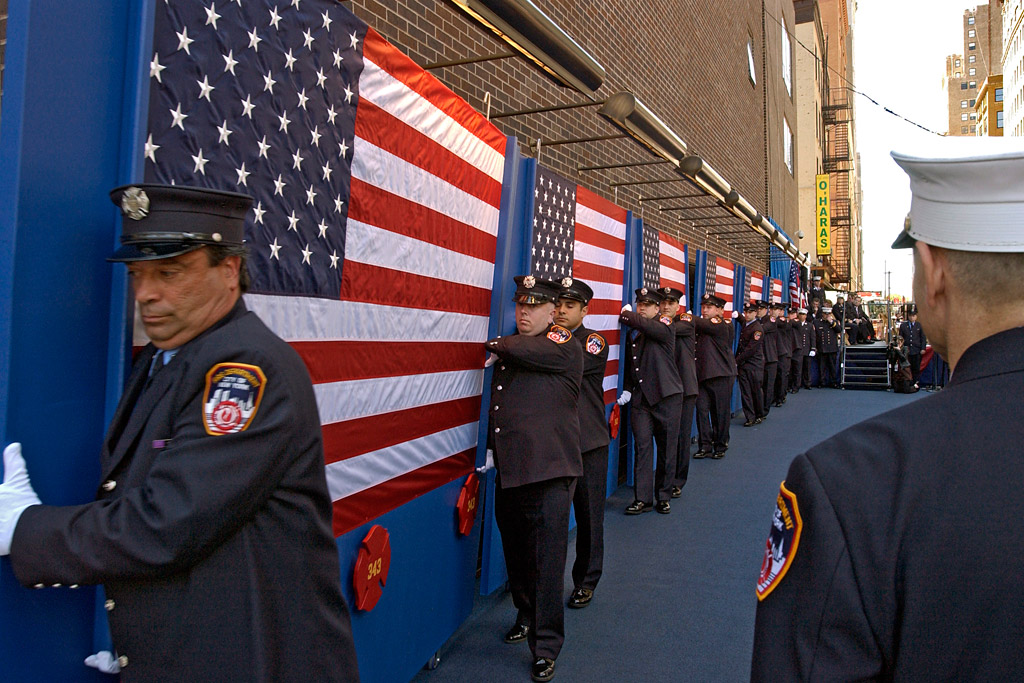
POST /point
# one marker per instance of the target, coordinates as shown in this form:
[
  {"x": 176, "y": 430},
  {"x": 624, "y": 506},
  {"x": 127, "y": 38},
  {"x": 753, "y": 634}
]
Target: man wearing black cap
[
  {"x": 887, "y": 558},
  {"x": 828, "y": 346},
  {"x": 211, "y": 532},
  {"x": 766, "y": 315},
  {"x": 534, "y": 433},
  {"x": 750, "y": 365},
  {"x": 806, "y": 342},
  {"x": 716, "y": 374},
  {"x": 915, "y": 342},
  {"x": 591, "y": 488},
  {"x": 784, "y": 343},
  {"x": 817, "y": 293},
  {"x": 652, "y": 377},
  {"x": 686, "y": 364}
]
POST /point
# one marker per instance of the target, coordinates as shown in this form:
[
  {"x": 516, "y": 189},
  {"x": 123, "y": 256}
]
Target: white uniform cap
[
  {"x": 802, "y": 310},
  {"x": 967, "y": 194}
]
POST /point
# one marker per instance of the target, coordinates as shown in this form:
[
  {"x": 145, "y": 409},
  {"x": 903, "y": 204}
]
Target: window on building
[
  {"x": 787, "y": 60},
  {"x": 963, "y": 86},
  {"x": 972, "y": 103},
  {"x": 999, "y": 94},
  {"x": 970, "y": 22},
  {"x": 963, "y": 117},
  {"x": 750, "y": 60},
  {"x": 973, "y": 85},
  {"x": 963, "y": 130},
  {"x": 972, "y": 129},
  {"x": 957, "y": 63},
  {"x": 970, "y": 33},
  {"x": 972, "y": 71},
  {"x": 963, "y": 104},
  {"x": 974, "y": 117},
  {"x": 999, "y": 119},
  {"x": 972, "y": 59},
  {"x": 787, "y": 144},
  {"x": 971, "y": 46},
  {"x": 957, "y": 75}
]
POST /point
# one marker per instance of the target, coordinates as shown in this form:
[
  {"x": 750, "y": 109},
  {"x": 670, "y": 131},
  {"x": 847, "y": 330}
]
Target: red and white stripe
[
  {"x": 725, "y": 273},
  {"x": 672, "y": 264},
  {"x": 777, "y": 291},
  {"x": 397, "y": 362},
  {"x": 756, "y": 286},
  {"x": 598, "y": 259}
]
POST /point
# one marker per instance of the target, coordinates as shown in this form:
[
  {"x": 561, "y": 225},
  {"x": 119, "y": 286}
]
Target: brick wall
[{"x": 685, "y": 59}]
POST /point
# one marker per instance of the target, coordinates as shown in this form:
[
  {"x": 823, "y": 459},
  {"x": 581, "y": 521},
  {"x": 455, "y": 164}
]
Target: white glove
[
  {"x": 625, "y": 308},
  {"x": 16, "y": 494},
  {"x": 488, "y": 463},
  {"x": 735, "y": 315},
  {"x": 492, "y": 358},
  {"x": 104, "y": 661},
  {"x": 813, "y": 353},
  {"x": 624, "y": 398}
]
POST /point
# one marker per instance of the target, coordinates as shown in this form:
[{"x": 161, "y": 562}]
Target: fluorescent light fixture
[
  {"x": 709, "y": 179},
  {"x": 522, "y": 25},
  {"x": 630, "y": 115}
]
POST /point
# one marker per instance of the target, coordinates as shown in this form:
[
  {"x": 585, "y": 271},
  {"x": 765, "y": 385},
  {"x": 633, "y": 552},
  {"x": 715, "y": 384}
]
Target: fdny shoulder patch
[
  {"x": 757, "y": 335},
  {"x": 783, "y": 540},
  {"x": 716, "y": 319},
  {"x": 687, "y": 317},
  {"x": 595, "y": 344},
  {"x": 232, "y": 397},
  {"x": 559, "y": 334},
  {"x": 665, "y": 319}
]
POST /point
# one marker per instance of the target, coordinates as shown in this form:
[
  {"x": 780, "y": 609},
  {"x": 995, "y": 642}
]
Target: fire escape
[{"x": 838, "y": 163}]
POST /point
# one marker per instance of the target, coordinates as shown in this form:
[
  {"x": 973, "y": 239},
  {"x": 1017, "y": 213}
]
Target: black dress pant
[
  {"x": 915, "y": 366},
  {"x": 827, "y": 369},
  {"x": 685, "y": 430},
  {"x": 805, "y": 374},
  {"x": 782, "y": 381},
  {"x": 713, "y": 402},
  {"x": 750, "y": 377},
  {"x": 588, "y": 502},
  {"x": 657, "y": 424},
  {"x": 770, "y": 370},
  {"x": 796, "y": 371},
  {"x": 534, "y": 523}
]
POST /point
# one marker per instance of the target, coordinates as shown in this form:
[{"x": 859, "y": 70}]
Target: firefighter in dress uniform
[
  {"x": 769, "y": 325},
  {"x": 828, "y": 347},
  {"x": 716, "y": 375},
  {"x": 887, "y": 557},
  {"x": 750, "y": 365},
  {"x": 534, "y": 434},
  {"x": 808, "y": 351},
  {"x": 591, "y": 488},
  {"x": 686, "y": 364},
  {"x": 211, "y": 532},
  {"x": 654, "y": 390},
  {"x": 784, "y": 343}
]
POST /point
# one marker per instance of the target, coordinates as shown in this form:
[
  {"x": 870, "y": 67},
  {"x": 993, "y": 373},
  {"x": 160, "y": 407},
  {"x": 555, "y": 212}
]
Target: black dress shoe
[
  {"x": 718, "y": 455},
  {"x": 638, "y": 507},
  {"x": 580, "y": 597},
  {"x": 760, "y": 419},
  {"x": 778, "y": 404},
  {"x": 750, "y": 423},
  {"x": 543, "y": 669},
  {"x": 700, "y": 454},
  {"x": 677, "y": 491},
  {"x": 517, "y": 634},
  {"x": 663, "y": 506}
]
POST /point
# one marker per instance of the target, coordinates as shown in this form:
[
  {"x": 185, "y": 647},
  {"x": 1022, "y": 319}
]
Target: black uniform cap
[
  {"x": 161, "y": 221},
  {"x": 752, "y": 306},
  {"x": 776, "y": 306},
  {"x": 761, "y": 305},
  {"x": 532, "y": 290},
  {"x": 712, "y": 300},
  {"x": 671, "y": 293},
  {"x": 578, "y": 290},
  {"x": 649, "y": 295}
]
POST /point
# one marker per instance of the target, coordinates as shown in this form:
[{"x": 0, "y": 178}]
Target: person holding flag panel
[
  {"x": 588, "y": 500},
  {"x": 750, "y": 365},
  {"x": 651, "y": 376},
  {"x": 769, "y": 325},
  {"x": 686, "y": 364},
  {"x": 534, "y": 435},
  {"x": 716, "y": 374}
]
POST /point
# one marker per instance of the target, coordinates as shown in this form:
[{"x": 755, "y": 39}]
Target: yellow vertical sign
[{"x": 822, "y": 231}]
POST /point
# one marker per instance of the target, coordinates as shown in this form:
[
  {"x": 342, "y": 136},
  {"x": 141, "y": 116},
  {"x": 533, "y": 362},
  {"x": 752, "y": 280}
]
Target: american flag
[
  {"x": 720, "y": 276},
  {"x": 755, "y": 285},
  {"x": 664, "y": 261},
  {"x": 579, "y": 234},
  {"x": 794, "y": 283},
  {"x": 373, "y": 237},
  {"x": 776, "y": 291}
]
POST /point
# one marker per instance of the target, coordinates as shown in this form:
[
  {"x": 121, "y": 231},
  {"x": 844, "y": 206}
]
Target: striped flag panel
[{"x": 725, "y": 274}]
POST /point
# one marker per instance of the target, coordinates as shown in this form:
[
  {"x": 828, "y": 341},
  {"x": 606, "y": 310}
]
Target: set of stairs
[{"x": 865, "y": 366}]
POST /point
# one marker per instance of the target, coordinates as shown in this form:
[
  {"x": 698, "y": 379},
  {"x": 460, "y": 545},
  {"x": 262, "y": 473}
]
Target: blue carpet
[{"x": 676, "y": 601}]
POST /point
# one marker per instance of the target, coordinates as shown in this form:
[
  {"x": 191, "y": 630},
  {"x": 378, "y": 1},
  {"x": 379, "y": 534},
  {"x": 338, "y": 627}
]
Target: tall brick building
[
  {"x": 718, "y": 74},
  {"x": 967, "y": 71}
]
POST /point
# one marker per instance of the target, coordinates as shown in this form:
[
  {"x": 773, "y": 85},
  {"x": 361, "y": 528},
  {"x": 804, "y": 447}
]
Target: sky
[{"x": 900, "y": 49}]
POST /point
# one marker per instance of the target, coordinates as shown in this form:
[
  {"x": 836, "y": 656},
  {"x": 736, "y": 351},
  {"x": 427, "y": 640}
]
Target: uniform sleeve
[
  {"x": 536, "y": 353},
  {"x": 199, "y": 491},
  {"x": 811, "y": 624},
  {"x": 705, "y": 326},
  {"x": 594, "y": 363},
  {"x": 655, "y": 329}
]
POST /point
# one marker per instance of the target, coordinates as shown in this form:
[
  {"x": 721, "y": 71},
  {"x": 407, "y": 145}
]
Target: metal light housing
[
  {"x": 630, "y": 115},
  {"x": 529, "y": 31}
]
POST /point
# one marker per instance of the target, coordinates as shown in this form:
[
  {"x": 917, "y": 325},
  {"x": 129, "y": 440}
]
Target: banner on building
[{"x": 823, "y": 235}]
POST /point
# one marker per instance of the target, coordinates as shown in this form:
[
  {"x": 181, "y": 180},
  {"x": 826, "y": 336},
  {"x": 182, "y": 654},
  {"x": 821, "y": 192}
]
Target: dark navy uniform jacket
[
  {"x": 714, "y": 348},
  {"x": 771, "y": 335},
  {"x": 534, "y": 428},
  {"x": 650, "y": 357},
  {"x": 685, "y": 352},
  {"x": 808, "y": 338},
  {"x": 913, "y": 336},
  {"x": 909, "y": 561},
  {"x": 784, "y": 339},
  {"x": 828, "y": 336},
  {"x": 750, "y": 350},
  {"x": 593, "y": 426},
  {"x": 216, "y": 550}
]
